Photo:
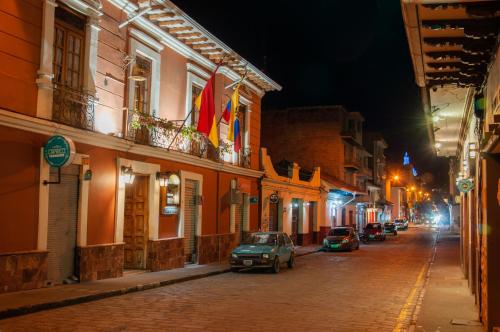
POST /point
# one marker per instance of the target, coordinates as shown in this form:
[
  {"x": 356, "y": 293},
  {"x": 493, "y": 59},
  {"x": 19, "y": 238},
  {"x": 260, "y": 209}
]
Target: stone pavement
[
  {"x": 446, "y": 297},
  {"x": 18, "y": 303},
  {"x": 362, "y": 290}
]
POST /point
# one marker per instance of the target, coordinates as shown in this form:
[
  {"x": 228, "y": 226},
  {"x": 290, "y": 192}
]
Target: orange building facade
[{"x": 118, "y": 79}]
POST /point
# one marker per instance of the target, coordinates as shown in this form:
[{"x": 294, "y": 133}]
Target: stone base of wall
[
  {"x": 315, "y": 238},
  {"x": 165, "y": 254},
  {"x": 23, "y": 270},
  {"x": 304, "y": 239},
  {"x": 323, "y": 230},
  {"x": 212, "y": 248},
  {"x": 99, "y": 262}
]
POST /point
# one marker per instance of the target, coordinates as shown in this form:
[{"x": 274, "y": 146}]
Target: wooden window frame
[{"x": 59, "y": 24}]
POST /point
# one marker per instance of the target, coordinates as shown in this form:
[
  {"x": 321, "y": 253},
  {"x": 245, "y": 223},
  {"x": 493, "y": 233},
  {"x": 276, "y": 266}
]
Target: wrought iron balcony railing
[
  {"x": 148, "y": 130},
  {"x": 73, "y": 107}
]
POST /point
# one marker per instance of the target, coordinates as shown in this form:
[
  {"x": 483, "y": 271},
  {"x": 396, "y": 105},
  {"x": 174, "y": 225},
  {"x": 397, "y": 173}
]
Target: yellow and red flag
[
  {"x": 230, "y": 112},
  {"x": 207, "y": 123}
]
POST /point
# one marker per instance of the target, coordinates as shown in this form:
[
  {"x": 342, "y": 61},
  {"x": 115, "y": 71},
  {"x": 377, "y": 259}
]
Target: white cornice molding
[
  {"x": 46, "y": 127},
  {"x": 144, "y": 38},
  {"x": 197, "y": 70},
  {"x": 187, "y": 51}
]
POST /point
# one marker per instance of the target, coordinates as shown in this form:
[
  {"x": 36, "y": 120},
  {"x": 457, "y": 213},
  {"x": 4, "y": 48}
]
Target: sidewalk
[
  {"x": 24, "y": 302},
  {"x": 447, "y": 304}
]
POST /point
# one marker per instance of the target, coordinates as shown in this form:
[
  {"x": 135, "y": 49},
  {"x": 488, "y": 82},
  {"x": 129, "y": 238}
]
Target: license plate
[
  {"x": 372, "y": 236},
  {"x": 335, "y": 246},
  {"x": 247, "y": 262}
]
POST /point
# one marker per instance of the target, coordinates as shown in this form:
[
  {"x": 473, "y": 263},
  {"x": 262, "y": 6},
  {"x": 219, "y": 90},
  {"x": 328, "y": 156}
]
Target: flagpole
[{"x": 193, "y": 106}]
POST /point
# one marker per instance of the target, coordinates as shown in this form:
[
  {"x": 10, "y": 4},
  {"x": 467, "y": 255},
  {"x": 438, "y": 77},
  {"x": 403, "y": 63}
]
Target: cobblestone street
[{"x": 362, "y": 290}]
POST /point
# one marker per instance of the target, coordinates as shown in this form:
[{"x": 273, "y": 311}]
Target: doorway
[
  {"x": 190, "y": 220},
  {"x": 295, "y": 220},
  {"x": 62, "y": 225},
  {"x": 273, "y": 217},
  {"x": 135, "y": 230}
]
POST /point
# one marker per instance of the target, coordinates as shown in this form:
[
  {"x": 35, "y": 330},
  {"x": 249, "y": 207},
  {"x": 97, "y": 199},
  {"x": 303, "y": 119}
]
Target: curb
[
  {"x": 418, "y": 303},
  {"x": 29, "y": 309},
  {"x": 9, "y": 313}
]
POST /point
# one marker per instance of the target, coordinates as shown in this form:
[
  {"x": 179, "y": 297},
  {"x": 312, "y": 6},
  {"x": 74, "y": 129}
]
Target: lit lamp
[
  {"x": 162, "y": 179},
  {"x": 138, "y": 74},
  {"x": 127, "y": 175}
]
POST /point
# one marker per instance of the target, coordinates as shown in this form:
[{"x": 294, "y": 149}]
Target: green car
[{"x": 264, "y": 250}]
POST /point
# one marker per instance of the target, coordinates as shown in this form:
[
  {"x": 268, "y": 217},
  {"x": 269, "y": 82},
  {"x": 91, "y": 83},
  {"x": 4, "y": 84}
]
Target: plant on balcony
[
  {"x": 190, "y": 133},
  {"x": 140, "y": 120}
]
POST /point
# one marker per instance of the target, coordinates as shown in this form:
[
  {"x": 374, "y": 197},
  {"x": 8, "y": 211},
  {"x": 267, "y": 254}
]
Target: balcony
[
  {"x": 349, "y": 135},
  {"x": 172, "y": 135},
  {"x": 352, "y": 164},
  {"x": 73, "y": 107},
  {"x": 365, "y": 173}
]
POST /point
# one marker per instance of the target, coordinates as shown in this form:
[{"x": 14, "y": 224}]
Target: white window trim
[
  {"x": 185, "y": 175},
  {"x": 138, "y": 48},
  {"x": 45, "y": 73},
  {"x": 139, "y": 168},
  {"x": 43, "y": 202},
  {"x": 198, "y": 81}
]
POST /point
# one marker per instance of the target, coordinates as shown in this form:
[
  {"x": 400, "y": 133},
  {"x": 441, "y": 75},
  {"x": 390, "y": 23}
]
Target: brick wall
[
  {"x": 309, "y": 141},
  {"x": 23, "y": 270}
]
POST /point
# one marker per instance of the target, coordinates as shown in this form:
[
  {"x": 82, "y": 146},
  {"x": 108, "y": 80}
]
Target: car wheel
[
  {"x": 235, "y": 269},
  {"x": 276, "y": 265},
  {"x": 291, "y": 261}
]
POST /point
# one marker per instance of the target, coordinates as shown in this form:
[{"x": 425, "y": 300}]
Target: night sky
[{"x": 326, "y": 52}]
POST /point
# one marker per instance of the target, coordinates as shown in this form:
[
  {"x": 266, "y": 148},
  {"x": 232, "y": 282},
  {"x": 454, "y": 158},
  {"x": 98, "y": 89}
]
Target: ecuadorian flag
[
  {"x": 237, "y": 136},
  {"x": 230, "y": 113}
]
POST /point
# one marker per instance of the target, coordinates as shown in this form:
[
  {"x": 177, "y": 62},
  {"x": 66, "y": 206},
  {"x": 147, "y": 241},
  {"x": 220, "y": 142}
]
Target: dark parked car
[
  {"x": 264, "y": 250},
  {"x": 374, "y": 231},
  {"x": 401, "y": 224},
  {"x": 390, "y": 228},
  {"x": 341, "y": 238}
]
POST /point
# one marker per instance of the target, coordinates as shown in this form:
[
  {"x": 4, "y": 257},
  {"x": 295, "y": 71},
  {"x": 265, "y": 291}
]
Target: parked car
[
  {"x": 264, "y": 250},
  {"x": 374, "y": 231},
  {"x": 390, "y": 228},
  {"x": 401, "y": 224},
  {"x": 341, "y": 238}
]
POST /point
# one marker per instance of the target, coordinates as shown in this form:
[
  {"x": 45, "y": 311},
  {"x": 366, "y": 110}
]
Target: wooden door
[
  {"x": 273, "y": 217},
  {"x": 135, "y": 231}
]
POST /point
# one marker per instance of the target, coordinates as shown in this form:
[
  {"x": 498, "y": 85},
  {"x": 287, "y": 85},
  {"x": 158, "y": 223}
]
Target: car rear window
[{"x": 338, "y": 232}]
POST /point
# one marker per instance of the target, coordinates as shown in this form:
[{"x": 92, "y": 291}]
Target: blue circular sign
[{"x": 59, "y": 151}]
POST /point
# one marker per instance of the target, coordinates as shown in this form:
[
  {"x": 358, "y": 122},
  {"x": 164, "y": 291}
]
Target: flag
[
  {"x": 230, "y": 112},
  {"x": 237, "y": 136},
  {"x": 207, "y": 123}
]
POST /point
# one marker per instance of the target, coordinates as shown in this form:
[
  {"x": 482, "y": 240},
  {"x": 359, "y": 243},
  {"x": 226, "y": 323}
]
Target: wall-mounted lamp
[
  {"x": 438, "y": 145},
  {"x": 127, "y": 175},
  {"x": 166, "y": 178}
]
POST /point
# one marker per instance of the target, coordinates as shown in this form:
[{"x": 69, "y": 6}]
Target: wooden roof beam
[
  {"x": 188, "y": 35},
  {"x": 211, "y": 51},
  {"x": 180, "y": 29},
  {"x": 196, "y": 40},
  {"x": 161, "y": 16},
  {"x": 163, "y": 24},
  {"x": 202, "y": 46}
]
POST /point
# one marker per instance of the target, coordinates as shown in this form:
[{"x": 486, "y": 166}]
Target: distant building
[
  {"x": 379, "y": 208},
  {"x": 331, "y": 138},
  {"x": 290, "y": 199}
]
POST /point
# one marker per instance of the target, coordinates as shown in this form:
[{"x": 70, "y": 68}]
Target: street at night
[
  {"x": 187, "y": 165},
  {"x": 362, "y": 290}
]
